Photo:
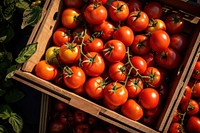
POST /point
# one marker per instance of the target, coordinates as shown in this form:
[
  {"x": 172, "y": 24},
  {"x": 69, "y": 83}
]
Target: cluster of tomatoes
[
  {"x": 64, "y": 118},
  {"x": 118, "y": 52},
  {"x": 187, "y": 116}
]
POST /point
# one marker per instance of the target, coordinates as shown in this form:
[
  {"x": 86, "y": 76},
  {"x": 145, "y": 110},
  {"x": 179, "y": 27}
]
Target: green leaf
[
  {"x": 8, "y": 2},
  {"x": 6, "y": 33},
  {"x": 8, "y": 11},
  {"x": 3, "y": 129},
  {"x": 13, "y": 95},
  {"x": 22, "y": 4},
  {"x": 5, "y": 112},
  {"x": 11, "y": 71},
  {"x": 26, "y": 53},
  {"x": 17, "y": 122},
  {"x": 31, "y": 16}
]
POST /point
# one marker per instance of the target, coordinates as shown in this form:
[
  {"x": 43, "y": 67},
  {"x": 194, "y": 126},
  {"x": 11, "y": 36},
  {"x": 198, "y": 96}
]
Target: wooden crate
[{"x": 181, "y": 77}]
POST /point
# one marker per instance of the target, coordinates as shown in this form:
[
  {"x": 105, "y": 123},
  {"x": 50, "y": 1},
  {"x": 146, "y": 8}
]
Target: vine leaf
[
  {"x": 22, "y": 4},
  {"x": 16, "y": 121}
]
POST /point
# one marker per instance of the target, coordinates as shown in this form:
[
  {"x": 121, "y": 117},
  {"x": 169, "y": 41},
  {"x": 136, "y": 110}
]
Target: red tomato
[
  {"x": 115, "y": 93},
  {"x": 69, "y": 53},
  {"x": 73, "y": 3},
  {"x": 134, "y": 86},
  {"x": 80, "y": 91},
  {"x": 138, "y": 21},
  {"x": 103, "y": 2},
  {"x": 159, "y": 40},
  {"x": 155, "y": 24},
  {"x": 81, "y": 35},
  {"x": 196, "y": 71},
  {"x": 149, "y": 58},
  {"x": 134, "y": 5},
  {"x": 117, "y": 71},
  {"x": 196, "y": 90},
  {"x": 153, "y": 78},
  {"x": 112, "y": 129},
  {"x": 118, "y": 10},
  {"x": 187, "y": 95},
  {"x": 153, "y": 10},
  {"x": 93, "y": 64},
  {"x": 93, "y": 45},
  {"x": 94, "y": 87},
  {"x": 153, "y": 112},
  {"x": 176, "y": 127},
  {"x": 114, "y": 50},
  {"x": 132, "y": 110},
  {"x": 56, "y": 126},
  {"x": 125, "y": 35},
  {"x": 178, "y": 42},
  {"x": 63, "y": 118},
  {"x": 45, "y": 71},
  {"x": 177, "y": 115},
  {"x": 74, "y": 77},
  {"x": 61, "y": 36},
  {"x": 79, "y": 116},
  {"x": 174, "y": 23},
  {"x": 60, "y": 106},
  {"x": 71, "y": 18},
  {"x": 191, "y": 107},
  {"x": 193, "y": 125},
  {"x": 169, "y": 59},
  {"x": 95, "y": 13},
  {"x": 109, "y": 105},
  {"x": 139, "y": 64},
  {"x": 82, "y": 128},
  {"x": 163, "y": 91},
  {"x": 149, "y": 98}
]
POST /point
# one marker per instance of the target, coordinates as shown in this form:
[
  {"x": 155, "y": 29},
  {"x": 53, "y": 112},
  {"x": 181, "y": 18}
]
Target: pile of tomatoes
[
  {"x": 117, "y": 52},
  {"x": 187, "y": 116},
  {"x": 66, "y": 119}
]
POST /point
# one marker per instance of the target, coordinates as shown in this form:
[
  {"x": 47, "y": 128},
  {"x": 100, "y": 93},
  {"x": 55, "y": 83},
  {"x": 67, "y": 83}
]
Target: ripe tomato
[
  {"x": 132, "y": 110},
  {"x": 159, "y": 40},
  {"x": 191, "y": 107},
  {"x": 109, "y": 105},
  {"x": 177, "y": 115},
  {"x": 60, "y": 106},
  {"x": 69, "y": 53},
  {"x": 82, "y": 128},
  {"x": 134, "y": 5},
  {"x": 114, "y": 50},
  {"x": 74, "y": 77},
  {"x": 79, "y": 116},
  {"x": 94, "y": 87},
  {"x": 134, "y": 86},
  {"x": 174, "y": 23},
  {"x": 196, "y": 71},
  {"x": 61, "y": 36},
  {"x": 81, "y": 35},
  {"x": 193, "y": 125},
  {"x": 153, "y": 112},
  {"x": 117, "y": 71},
  {"x": 125, "y": 35},
  {"x": 149, "y": 58},
  {"x": 155, "y": 24},
  {"x": 73, "y": 3},
  {"x": 95, "y": 13},
  {"x": 51, "y": 55},
  {"x": 169, "y": 59},
  {"x": 115, "y": 93},
  {"x": 45, "y": 71},
  {"x": 153, "y": 10},
  {"x": 71, "y": 18},
  {"x": 138, "y": 21},
  {"x": 63, "y": 118},
  {"x": 176, "y": 127},
  {"x": 149, "y": 98},
  {"x": 178, "y": 42},
  {"x": 93, "y": 64},
  {"x": 56, "y": 126},
  {"x": 118, "y": 10},
  {"x": 187, "y": 95},
  {"x": 93, "y": 45},
  {"x": 80, "y": 91},
  {"x": 103, "y": 2},
  {"x": 153, "y": 78},
  {"x": 196, "y": 90},
  {"x": 138, "y": 63}
]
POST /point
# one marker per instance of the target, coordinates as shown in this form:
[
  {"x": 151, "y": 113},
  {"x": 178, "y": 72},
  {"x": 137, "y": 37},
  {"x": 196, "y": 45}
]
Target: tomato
[
  {"x": 176, "y": 127},
  {"x": 149, "y": 58},
  {"x": 71, "y": 18},
  {"x": 196, "y": 90},
  {"x": 114, "y": 50},
  {"x": 93, "y": 45},
  {"x": 134, "y": 5},
  {"x": 95, "y": 13},
  {"x": 93, "y": 64},
  {"x": 174, "y": 23},
  {"x": 56, "y": 126},
  {"x": 110, "y": 105},
  {"x": 74, "y": 77},
  {"x": 155, "y": 24},
  {"x": 118, "y": 10},
  {"x": 45, "y": 71},
  {"x": 193, "y": 125},
  {"x": 115, "y": 93},
  {"x": 63, "y": 117},
  {"x": 117, "y": 71},
  {"x": 177, "y": 115},
  {"x": 153, "y": 78},
  {"x": 178, "y": 42},
  {"x": 80, "y": 91},
  {"x": 169, "y": 59},
  {"x": 58, "y": 80},
  {"x": 134, "y": 86},
  {"x": 79, "y": 116},
  {"x": 92, "y": 120},
  {"x": 163, "y": 91},
  {"x": 73, "y": 3},
  {"x": 159, "y": 40},
  {"x": 69, "y": 53},
  {"x": 149, "y": 98},
  {"x": 187, "y": 95},
  {"x": 140, "y": 44},
  {"x": 82, "y": 128},
  {"x": 94, "y": 87},
  {"x": 61, "y": 36},
  {"x": 153, "y": 10},
  {"x": 191, "y": 107},
  {"x": 138, "y": 21},
  {"x": 103, "y": 2},
  {"x": 112, "y": 129},
  {"x": 138, "y": 63},
  {"x": 153, "y": 112},
  {"x": 60, "y": 106},
  {"x": 125, "y": 35},
  {"x": 132, "y": 110},
  {"x": 196, "y": 71},
  {"x": 81, "y": 35},
  {"x": 51, "y": 55},
  {"x": 104, "y": 30},
  {"x": 148, "y": 121}
]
